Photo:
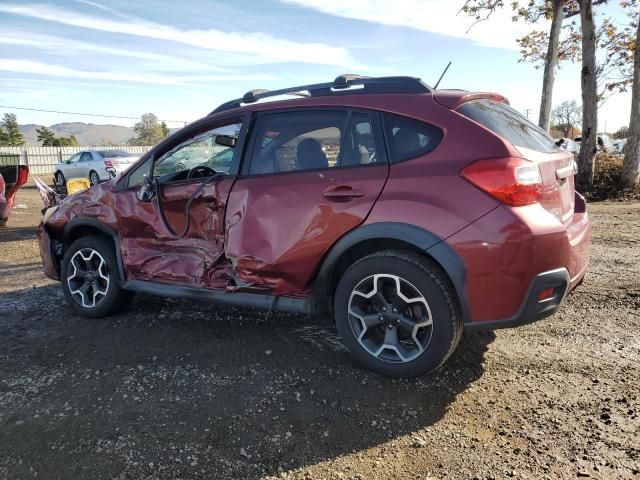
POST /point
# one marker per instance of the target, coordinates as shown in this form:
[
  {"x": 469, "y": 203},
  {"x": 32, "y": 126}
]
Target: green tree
[
  {"x": 45, "y": 136},
  {"x": 148, "y": 131},
  {"x": 165, "y": 129},
  {"x": 65, "y": 141},
  {"x": 11, "y": 134}
]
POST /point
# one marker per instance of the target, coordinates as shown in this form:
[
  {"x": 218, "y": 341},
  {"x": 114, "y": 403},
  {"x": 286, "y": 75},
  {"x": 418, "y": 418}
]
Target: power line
[{"x": 86, "y": 114}]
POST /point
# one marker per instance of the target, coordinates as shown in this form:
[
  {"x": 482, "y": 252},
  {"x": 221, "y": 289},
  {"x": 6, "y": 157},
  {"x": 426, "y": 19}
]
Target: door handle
[{"x": 342, "y": 192}]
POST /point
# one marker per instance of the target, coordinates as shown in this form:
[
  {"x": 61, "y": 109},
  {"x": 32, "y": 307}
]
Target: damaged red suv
[{"x": 406, "y": 213}]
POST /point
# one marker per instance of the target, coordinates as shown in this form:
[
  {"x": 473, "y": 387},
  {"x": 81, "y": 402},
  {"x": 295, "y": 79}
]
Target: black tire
[
  {"x": 59, "y": 182},
  {"x": 113, "y": 297},
  {"x": 94, "y": 178},
  {"x": 427, "y": 280}
]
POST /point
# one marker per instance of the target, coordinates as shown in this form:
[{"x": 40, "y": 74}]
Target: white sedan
[{"x": 94, "y": 165}]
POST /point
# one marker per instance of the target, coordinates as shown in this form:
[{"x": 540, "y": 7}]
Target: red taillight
[
  {"x": 110, "y": 163},
  {"x": 513, "y": 181}
]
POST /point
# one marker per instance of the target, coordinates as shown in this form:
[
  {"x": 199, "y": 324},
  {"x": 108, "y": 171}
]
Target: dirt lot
[{"x": 175, "y": 389}]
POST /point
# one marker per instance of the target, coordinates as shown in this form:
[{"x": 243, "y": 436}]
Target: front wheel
[
  {"x": 94, "y": 178},
  {"x": 397, "y": 313},
  {"x": 89, "y": 276}
]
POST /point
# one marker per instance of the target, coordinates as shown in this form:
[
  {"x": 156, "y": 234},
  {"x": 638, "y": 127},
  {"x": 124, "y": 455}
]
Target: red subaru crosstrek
[{"x": 405, "y": 212}]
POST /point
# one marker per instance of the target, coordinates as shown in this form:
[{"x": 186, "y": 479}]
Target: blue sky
[{"x": 180, "y": 60}]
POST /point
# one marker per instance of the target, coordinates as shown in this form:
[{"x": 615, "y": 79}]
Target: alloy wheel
[
  {"x": 390, "y": 318},
  {"x": 88, "y": 279},
  {"x": 93, "y": 178}
]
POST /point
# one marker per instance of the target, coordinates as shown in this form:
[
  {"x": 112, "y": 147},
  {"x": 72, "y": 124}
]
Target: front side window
[
  {"x": 210, "y": 152},
  {"x": 86, "y": 157},
  {"x": 408, "y": 138},
  {"x": 312, "y": 140}
]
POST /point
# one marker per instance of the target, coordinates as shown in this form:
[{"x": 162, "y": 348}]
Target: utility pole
[{"x": 527, "y": 111}]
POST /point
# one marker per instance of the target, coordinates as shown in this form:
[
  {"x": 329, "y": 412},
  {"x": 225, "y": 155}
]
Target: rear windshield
[
  {"x": 509, "y": 124},
  {"x": 113, "y": 153}
]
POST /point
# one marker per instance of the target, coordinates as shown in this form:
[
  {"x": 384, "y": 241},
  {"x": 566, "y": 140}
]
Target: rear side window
[
  {"x": 408, "y": 138},
  {"x": 313, "y": 140},
  {"x": 503, "y": 120}
]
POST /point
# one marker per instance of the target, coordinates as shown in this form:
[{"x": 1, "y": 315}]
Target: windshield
[{"x": 113, "y": 153}]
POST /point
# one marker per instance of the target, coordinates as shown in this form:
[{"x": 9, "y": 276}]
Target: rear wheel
[
  {"x": 89, "y": 275},
  {"x": 94, "y": 178},
  {"x": 397, "y": 313}
]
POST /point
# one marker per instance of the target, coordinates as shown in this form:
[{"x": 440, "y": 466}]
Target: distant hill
[{"x": 86, "y": 133}]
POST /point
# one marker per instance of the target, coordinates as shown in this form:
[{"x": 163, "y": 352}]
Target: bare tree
[
  {"x": 631, "y": 165},
  {"x": 550, "y": 64},
  {"x": 566, "y": 116},
  {"x": 589, "y": 84},
  {"x": 535, "y": 43}
]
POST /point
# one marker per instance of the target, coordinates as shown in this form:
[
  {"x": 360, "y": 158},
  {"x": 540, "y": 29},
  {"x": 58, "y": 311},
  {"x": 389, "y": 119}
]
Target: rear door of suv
[{"x": 309, "y": 176}]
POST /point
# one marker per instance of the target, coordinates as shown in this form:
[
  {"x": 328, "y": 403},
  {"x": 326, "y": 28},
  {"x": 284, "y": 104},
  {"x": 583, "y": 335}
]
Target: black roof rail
[{"x": 351, "y": 83}]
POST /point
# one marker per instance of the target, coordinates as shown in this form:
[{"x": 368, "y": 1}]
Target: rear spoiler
[{"x": 452, "y": 99}]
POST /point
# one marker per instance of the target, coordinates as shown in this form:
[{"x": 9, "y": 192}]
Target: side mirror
[
  {"x": 147, "y": 190},
  {"x": 68, "y": 162}
]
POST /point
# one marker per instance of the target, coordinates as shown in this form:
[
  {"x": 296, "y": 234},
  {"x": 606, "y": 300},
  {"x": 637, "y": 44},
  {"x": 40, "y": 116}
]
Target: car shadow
[
  {"x": 248, "y": 393},
  {"x": 12, "y": 234}
]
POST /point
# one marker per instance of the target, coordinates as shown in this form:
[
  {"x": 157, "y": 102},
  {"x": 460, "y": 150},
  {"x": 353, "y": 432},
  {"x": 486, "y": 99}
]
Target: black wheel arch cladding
[{"x": 421, "y": 240}]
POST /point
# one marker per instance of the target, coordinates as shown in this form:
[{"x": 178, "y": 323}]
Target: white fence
[{"x": 42, "y": 160}]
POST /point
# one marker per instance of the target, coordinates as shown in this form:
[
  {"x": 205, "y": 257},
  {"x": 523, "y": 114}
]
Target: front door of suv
[
  {"x": 309, "y": 177},
  {"x": 198, "y": 167}
]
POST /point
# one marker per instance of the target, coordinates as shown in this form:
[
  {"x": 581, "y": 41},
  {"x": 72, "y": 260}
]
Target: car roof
[{"x": 350, "y": 91}]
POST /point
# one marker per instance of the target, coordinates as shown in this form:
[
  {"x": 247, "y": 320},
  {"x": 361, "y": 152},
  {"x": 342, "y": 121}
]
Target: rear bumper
[
  {"x": 509, "y": 251},
  {"x": 532, "y": 308}
]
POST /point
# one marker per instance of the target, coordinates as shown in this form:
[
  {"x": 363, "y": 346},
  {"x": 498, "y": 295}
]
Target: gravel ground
[{"x": 177, "y": 389}]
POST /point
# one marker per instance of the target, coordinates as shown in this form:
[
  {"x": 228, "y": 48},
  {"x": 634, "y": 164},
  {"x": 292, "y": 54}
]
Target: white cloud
[
  {"x": 39, "y": 68},
  {"x": 68, "y": 47},
  {"x": 260, "y": 44},
  {"x": 436, "y": 16}
]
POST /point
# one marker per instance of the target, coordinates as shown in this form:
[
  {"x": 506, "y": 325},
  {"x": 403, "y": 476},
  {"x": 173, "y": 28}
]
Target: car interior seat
[{"x": 309, "y": 155}]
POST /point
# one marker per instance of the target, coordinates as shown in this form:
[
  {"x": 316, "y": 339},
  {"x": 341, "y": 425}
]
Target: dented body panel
[
  {"x": 277, "y": 232},
  {"x": 149, "y": 250}
]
